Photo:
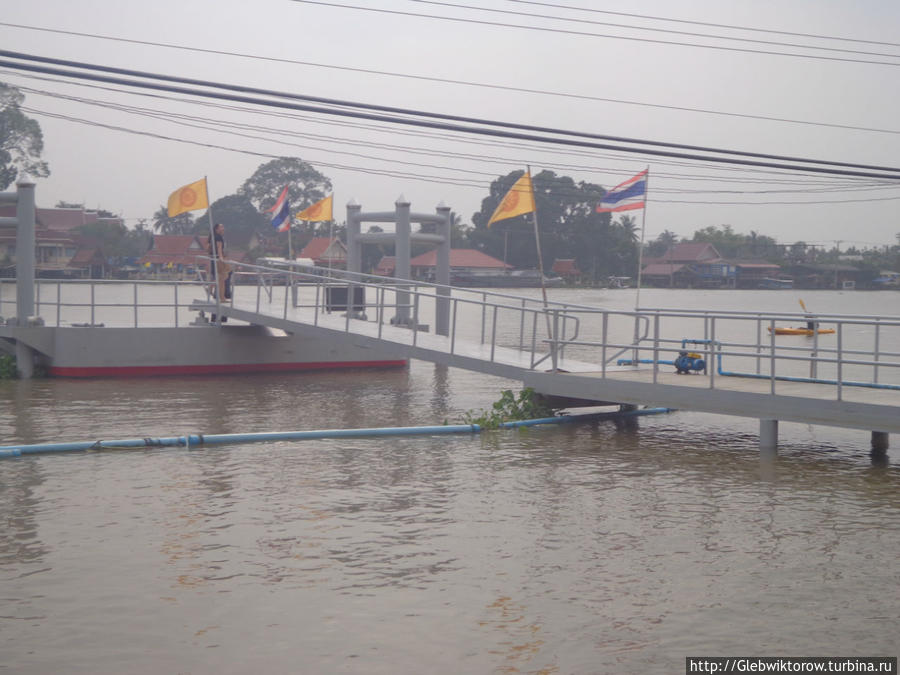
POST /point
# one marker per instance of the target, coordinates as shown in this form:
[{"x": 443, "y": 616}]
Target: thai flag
[
  {"x": 281, "y": 212},
  {"x": 625, "y": 196}
]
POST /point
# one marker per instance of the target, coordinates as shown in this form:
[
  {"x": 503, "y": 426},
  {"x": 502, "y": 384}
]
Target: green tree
[
  {"x": 240, "y": 217},
  {"x": 21, "y": 140},
  {"x": 568, "y": 222},
  {"x": 183, "y": 223},
  {"x": 658, "y": 247},
  {"x": 305, "y": 184}
]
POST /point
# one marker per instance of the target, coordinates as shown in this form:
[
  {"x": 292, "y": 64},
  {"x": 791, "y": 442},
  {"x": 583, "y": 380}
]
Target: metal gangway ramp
[{"x": 849, "y": 377}]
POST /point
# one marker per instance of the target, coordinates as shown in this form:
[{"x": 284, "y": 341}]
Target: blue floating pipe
[{"x": 221, "y": 439}]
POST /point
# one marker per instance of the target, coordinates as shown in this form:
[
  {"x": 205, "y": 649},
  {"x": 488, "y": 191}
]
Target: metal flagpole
[
  {"x": 637, "y": 298},
  {"x": 212, "y": 244},
  {"x": 290, "y": 245},
  {"x": 537, "y": 240}
]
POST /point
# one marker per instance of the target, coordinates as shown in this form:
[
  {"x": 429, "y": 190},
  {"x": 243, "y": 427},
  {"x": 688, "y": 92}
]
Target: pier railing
[{"x": 857, "y": 351}]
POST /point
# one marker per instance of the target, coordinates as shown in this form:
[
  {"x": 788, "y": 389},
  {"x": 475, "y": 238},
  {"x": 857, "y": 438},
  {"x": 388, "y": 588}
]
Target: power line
[
  {"x": 650, "y": 29},
  {"x": 705, "y": 23},
  {"x": 224, "y": 126},
  {"x": 441, "y": 80},
  {"x": 594, "y": 35},
  {"x": 440, "y": 121}
]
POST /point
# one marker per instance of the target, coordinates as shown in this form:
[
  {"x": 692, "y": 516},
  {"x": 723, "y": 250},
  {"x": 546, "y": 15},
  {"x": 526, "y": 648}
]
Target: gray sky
[{"x": 815, "y": 99}]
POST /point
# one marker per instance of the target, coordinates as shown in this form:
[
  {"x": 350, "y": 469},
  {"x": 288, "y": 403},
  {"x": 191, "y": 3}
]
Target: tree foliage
[
  {"x": 568, "y": 224},
  {"x": 183, "y": 223},
  {"x": 237, "y": 213},
  {"x": 305, "y": 184},
  {"x": 21, "y": 140}
]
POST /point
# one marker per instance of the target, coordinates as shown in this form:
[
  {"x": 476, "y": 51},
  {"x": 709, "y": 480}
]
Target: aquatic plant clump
[{"x": 527, "y": 405}]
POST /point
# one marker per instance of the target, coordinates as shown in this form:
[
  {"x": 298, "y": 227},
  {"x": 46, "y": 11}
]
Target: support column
[
  {"x": 880, "y": 443},
  {"x": 25, "y": 254},
  {"x": 768, "y": 435},
  {"x": 402, "y": 251},
  {"x": 354, "y": 247},
  {"x": 442, "y": 273}
]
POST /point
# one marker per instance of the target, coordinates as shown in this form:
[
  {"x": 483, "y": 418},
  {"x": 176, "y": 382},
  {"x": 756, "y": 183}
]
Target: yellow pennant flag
[
  {"x": 519, "y": 200},
  {"x": 188, "y": 198},
  {"x": 319, "y": 211}
]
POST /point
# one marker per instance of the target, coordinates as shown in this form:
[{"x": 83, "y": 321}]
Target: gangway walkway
[{"x": 850, "y": 380}]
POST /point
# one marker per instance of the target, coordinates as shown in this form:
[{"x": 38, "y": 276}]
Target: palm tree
[
  {"x": 630, "y": 228},
  {"x": 180, "y": 224}
]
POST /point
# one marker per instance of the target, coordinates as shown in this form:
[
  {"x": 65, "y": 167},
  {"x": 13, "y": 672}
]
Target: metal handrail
[{"x": 774, "y": 359}]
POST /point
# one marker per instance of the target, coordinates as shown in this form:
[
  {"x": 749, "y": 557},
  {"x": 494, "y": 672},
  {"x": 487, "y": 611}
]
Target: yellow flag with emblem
[
  {"x": 519, "y": 200},
  {"x": 319, "y": 211},
  {"x": 188, "y": 198}
]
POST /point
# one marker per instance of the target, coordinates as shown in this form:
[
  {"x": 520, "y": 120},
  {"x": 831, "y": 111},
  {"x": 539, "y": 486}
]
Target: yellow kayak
[{"x": 800, "y": 331}]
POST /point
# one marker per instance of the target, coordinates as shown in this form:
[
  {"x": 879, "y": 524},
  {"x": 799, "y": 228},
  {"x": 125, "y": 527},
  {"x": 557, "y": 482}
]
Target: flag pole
[
  {"x": 290, "y": 245},
  {"x": 212, "y": 244},
  {"x": 537, "y": 241},
  {"x": 637, "y": 297}
]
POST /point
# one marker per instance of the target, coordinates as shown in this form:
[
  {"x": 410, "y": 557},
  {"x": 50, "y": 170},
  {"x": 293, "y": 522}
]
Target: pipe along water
[{"x": 221, "y": 439}]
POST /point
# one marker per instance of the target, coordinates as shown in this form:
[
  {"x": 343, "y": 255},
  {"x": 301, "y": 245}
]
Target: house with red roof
[
  {"x": 173, "y": 254},
  {"x": 464, "y": 263},
  {"x": 58, "y": 249},
  {"x": 698, "y": 264},
  {"x": 566, "y": 268},
  {"x": 326, "y": 252}
]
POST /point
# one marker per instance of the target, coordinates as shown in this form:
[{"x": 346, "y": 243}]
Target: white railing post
[{"x": 840, "y": 360}]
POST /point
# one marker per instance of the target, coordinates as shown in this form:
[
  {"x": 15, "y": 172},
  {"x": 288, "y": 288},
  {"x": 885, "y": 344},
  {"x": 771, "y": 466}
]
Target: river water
[{"x": 564, "y": 549}]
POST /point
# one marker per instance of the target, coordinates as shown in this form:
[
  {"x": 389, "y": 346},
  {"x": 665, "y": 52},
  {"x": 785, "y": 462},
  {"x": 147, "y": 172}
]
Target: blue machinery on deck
[
  {"x": 197, "y": 440},
  {"x": 686, "y": 362}
]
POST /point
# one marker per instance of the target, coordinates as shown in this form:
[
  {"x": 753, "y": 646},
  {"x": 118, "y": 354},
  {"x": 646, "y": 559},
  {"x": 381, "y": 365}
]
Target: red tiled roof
[
  {"x": 460, "y": 257},
  {"x": 317, "y": 247},
  {"x": 178, "y": 249},
  {"x": 565, "y": 266},
  {"x": 386, "y": 266},
  {"x": 87, "y": 256},
  {"x": 691, "y": 252},
  {"x": 61, "y": 219}
]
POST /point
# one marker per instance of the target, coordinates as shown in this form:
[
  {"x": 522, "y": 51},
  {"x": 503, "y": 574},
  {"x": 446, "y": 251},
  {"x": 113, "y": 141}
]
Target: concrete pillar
[
  {"x": 442, "y": 273},
  {"x": 354, "y": 247},
  {"x": 25, "y": 255},
  {"x": 768, "y": 435},
  {"x": 880, "y": 443},
  {"x": 402, "y": 252}
]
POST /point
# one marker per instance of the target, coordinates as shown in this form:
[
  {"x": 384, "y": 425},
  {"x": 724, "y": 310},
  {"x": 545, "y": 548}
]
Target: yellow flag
[
  {"x": 519, "y": 200},
  {"x": 319, "y": 211},
  {"x": 188, "y": 198}
]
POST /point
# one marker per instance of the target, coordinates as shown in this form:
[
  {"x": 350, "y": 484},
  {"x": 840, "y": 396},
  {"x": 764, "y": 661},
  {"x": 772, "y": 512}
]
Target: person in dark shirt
[{"x": 219, "y": 269}]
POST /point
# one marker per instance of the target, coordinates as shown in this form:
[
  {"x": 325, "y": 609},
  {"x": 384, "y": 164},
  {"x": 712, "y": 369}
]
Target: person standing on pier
[{"x": 219, "y": 270}]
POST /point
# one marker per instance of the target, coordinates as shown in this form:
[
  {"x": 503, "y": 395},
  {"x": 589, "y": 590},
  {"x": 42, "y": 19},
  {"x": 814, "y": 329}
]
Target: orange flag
[
  {"x": 188, "y": 198},
  {"x": 519, "y": 200},
  {"x": 319, "y": 211}
]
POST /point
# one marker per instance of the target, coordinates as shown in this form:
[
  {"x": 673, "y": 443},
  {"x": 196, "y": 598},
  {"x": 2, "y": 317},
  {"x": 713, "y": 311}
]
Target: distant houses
[
  {"x": 326, "y": 252},
  {"x": 464, "y": 264},
  {"x": 59, "y": 250},
  {"x": 699, "y": 265}
]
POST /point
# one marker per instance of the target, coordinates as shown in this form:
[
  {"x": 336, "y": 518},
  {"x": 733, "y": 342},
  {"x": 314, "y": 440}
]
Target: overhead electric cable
[
  {"x": 704, "y": 23},
  {"x": 595, "y": 35},
  {"x": 466, "y": 83},
  {"x": 650, "y": 29},
  {"x": 356, "y": 109}
]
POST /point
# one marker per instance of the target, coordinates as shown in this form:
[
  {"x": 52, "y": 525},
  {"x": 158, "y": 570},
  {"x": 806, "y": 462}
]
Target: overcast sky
[{"x": 586, "y": 75}]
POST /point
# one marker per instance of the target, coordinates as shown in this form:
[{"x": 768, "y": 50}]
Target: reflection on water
[{"x": 578, "y": 549}]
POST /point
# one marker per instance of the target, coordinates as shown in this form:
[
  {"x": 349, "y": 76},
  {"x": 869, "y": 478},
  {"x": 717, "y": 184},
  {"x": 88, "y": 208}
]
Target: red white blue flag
[
  {"x": 281, "y": 212},
  {"x": 625, "y": 196}
]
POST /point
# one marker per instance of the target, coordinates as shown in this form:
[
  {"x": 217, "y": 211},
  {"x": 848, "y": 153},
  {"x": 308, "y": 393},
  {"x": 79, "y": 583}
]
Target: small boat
[{"x": 800, "y": 331}]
